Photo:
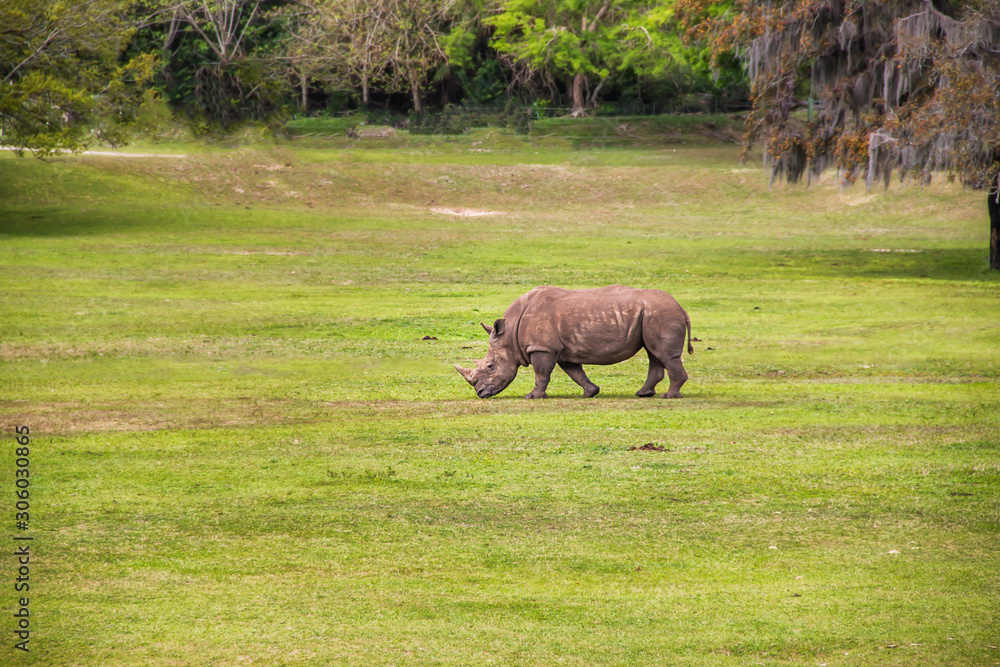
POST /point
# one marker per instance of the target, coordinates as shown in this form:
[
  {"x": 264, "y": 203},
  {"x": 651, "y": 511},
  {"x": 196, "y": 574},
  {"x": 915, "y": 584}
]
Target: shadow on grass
[
  {"x": 55, "y": 223},
  {"x": 893, "y": 263}
]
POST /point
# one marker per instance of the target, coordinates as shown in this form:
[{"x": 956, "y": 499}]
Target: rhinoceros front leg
[
  {"x": 543, "y": 363},
  {"x": 575, "y": 371}
]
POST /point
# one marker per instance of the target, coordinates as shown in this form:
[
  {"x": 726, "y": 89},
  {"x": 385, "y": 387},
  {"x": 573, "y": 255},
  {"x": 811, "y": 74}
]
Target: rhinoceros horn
[{"x": 466, "y": 373}]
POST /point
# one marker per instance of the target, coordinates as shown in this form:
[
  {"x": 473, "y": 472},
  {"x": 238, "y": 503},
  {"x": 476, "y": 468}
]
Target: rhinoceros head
[{"x": 498, "y": 368}]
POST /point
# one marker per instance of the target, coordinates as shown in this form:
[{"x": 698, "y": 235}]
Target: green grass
[{"x": 245, "y": 452}]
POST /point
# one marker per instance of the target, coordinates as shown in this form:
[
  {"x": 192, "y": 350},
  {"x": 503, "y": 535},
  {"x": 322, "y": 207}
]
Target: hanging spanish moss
[{"x": 871, "y": 87}]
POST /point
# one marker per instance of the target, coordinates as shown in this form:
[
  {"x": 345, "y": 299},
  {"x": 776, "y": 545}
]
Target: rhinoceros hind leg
[
  {"x": 575, "y": 371},
  {"x": 665, "y": 353},
  {"x": 678, "y": 376},
  {"x": 652, "y": 378}
]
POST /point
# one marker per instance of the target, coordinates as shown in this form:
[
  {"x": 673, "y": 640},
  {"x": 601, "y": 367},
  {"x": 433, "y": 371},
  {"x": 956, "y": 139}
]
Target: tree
[
  {"x": 468, "y": 56},
  {"x": 61, "y": 79},
  {"x": 578, "y": 39},
  {"x": 216, "y": 55},
  {"x": 653, "y": 47},
  {"x": 907, "y": 85},
  {"x": 343, "y": 43},
  {"x": 362, "y": 43},
  {"x": 415, "y": 30},
  {"x": 993, "y": 206},
  {"x": 593, "y": 42},
  {"x": 222, "y": 24}
]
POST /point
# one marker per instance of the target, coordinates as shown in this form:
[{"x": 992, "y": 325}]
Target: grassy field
[{"x": 244, "y": 450}]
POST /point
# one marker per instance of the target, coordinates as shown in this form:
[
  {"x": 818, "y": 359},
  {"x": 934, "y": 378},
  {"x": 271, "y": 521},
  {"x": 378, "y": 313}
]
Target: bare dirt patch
[
  {"x": 464, "y": 212},
  {"x": 283, "y": 253},
  {"x": 111, "y": 153}
]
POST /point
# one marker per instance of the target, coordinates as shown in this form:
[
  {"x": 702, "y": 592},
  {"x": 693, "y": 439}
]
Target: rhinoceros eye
[{"x": 490, "y": 367}]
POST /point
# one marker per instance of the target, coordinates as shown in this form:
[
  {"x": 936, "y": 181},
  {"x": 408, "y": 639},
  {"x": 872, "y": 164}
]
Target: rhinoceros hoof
[
  {"x": 646, "y": 394},
  {"x": 672, "y": 394},
  {"x": 591, "y": 392},
  {"x": 537, "y": 394}
]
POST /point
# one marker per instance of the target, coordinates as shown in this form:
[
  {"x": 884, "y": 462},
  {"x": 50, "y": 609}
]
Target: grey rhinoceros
[{"x": 572, "y": 327}]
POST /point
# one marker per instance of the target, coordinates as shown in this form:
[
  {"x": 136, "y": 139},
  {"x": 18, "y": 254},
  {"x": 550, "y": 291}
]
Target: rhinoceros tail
[{"x": 687, "y": 321}]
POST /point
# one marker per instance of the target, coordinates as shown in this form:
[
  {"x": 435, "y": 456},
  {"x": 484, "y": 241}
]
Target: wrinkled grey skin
[{"x": 607, "y": 325}]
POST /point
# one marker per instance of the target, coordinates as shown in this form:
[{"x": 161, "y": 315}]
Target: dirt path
[{"x": 111, "y": 153}]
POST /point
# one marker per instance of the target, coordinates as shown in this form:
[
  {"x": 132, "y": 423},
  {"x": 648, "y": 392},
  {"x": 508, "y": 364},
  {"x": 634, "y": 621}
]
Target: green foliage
[
  {"x": 75, "y": 73},
  {"x": 459, "y": 45},
  {"x": 219, "y": 60},
  {"x": 62, "y": 83},
  {"x": 628, "y": 46},
  {"x": 470, "y": 60},
  {"x": 485, "y": 84},
  {"x": 563, "y": 38},
  {"x": 154, "y": 117}
]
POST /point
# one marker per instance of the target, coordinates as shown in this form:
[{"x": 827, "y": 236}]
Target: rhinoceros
[{"x": 571, "y": 327}]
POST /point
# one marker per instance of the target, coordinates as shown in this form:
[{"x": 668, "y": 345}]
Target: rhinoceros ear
[{"x": 496, "y": 330}]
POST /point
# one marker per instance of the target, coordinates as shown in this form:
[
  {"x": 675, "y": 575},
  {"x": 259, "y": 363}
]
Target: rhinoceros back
[{"x": 604, "y": 325}]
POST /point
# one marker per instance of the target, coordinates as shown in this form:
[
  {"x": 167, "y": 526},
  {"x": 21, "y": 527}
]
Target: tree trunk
[
  {"x": 592, "y": 97},
  {"x": 418, "y": 101},
  {"x": 579, "y": 104},
  {"x": 304, "y": 102},
  {"x": 994, "y": 208}
]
